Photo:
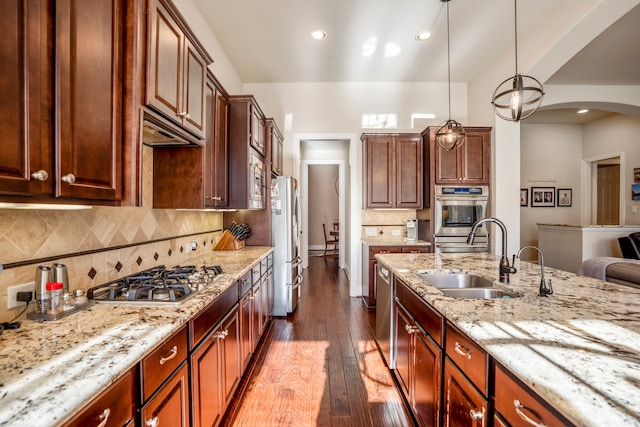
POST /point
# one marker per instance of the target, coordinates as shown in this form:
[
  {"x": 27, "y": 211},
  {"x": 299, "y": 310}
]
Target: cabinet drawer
[
  {"x": 430, "y": 320},
  {"x": 245, "y": 284},
  {"x": 415, "y": 249},
  {"x": 263, "y": 266},
  {"x": 255, "y": 272},
  {"x": 116, "y": 405},
  {"x": 157, "y": 367},
  {"x": 209, "y": 317},
  {"x": 468, "y": 356},
  {"x": 509, "y": 393},
  {"x": 383, "y": 250}
]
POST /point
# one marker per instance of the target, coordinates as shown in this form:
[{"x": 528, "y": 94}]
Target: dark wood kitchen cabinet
[
  {"x": 164, "y": 383},
  {"x": 469, "y": 164},
  {"x": 216, "y": 165},
  {"x": 246, "y": 315},
  {"x": 418, "y": 355},
  {"x": 464, "y": 405},
  {"x": 176, "y": 68},
  {"x": 115, "y": 407},
  {"x": 393, "y": 170},
  {"x": 277, "y": 146},
  {"x": 65, "y": 89}
]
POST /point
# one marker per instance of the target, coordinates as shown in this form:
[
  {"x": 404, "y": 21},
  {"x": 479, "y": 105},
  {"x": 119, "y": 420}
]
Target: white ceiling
[{"x": 374, "y": 40}]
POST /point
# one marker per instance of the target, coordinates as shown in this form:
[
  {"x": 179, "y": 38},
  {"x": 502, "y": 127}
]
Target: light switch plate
[
  {"x": 395, "y": 232},
  {"x": 371, "y": 231}
]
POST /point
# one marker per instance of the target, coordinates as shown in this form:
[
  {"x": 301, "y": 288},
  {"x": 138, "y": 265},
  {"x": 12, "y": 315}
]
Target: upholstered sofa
[{"x": 624, "y": 271}]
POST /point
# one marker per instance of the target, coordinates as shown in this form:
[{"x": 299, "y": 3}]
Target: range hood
[{"x": 155, "y": 133}]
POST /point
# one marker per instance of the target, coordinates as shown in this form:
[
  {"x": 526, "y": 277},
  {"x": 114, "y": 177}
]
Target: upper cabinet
[
  {"x": 176, "y": 69},
  {"x": 469, "y": 164},
  {"x": 63, "y": 100},
  {"x": 276, "y": 145},
  {"x": 216, "y": 172},
  {"x": 393, "y": 170}
]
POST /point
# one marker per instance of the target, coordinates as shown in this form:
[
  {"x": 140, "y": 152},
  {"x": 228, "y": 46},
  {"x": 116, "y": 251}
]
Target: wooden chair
[{"x": 330, "y": 242}]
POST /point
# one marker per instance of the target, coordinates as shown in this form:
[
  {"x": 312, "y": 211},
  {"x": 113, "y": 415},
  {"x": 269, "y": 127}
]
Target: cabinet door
[
  {"x": 26, "y": 56},
  {"x": 463, "y": 405},
  {"x": 447, "y": 165},
  {"x": 221, "y": 151},
  {"x": 246, "y": 311},
  {"x": 165, "y": 61},
  {"x": 276, "y": 150},
  {"x": 409, "y": 172},
  {"x": 170, "y": 406},
  {"x": 89, "y": 70},
  {"x": 381, "y": 171},
  {"x": 257, "y": 131},
  {"x": 404, "y": 360},
  {"x": 427, "y": 374},
  {"x": 231, "y": 364},
  {"x": 206, "y": 395},
  {"x": 256, "y": 327},
  {"x": 476, "y": 158},
  {"x": 195, "y": 72}
]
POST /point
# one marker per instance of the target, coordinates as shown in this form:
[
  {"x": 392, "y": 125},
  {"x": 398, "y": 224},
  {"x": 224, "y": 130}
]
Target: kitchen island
[
  {"x": 50, "y": 370},
  {"x": 578, "y": 349}
]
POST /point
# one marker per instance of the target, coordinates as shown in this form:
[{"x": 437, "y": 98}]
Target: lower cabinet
[
  {"x": 170, "y": 405},
  {"x": 418, "y": 361},
  {"x": 215, "y": 371},
  {"x": 464, "y": 405}
]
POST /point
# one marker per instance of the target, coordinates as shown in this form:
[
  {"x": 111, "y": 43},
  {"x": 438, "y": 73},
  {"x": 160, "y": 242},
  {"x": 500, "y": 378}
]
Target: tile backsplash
[
  {"x": 387, "y": 223},
  {"x": 102, "y": 243}
]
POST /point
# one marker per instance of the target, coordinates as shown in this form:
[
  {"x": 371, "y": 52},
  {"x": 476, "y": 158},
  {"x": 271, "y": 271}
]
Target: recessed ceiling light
[
  {"x": 583, "y": 111},
  {"x": 318, "y": 35},
  {"x": 423, "y": 36}
]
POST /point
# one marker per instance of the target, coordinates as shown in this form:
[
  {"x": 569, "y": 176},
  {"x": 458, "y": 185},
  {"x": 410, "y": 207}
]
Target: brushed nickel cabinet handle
[
  {"x": 519, "y": 407},
  {"x": 69, "y": 178},
  {"x": 153, "y": 422},
  {"x": 174, "y": 353},
  {"x": 462, "y": 350},
  {"x": 41, "y": 175},
  {"x": 104, "y": 417},
  {"x": 476, "y": 415}
]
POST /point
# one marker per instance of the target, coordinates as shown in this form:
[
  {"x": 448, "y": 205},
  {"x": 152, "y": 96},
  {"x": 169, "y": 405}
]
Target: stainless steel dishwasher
[{"x": 385, "y": 315}]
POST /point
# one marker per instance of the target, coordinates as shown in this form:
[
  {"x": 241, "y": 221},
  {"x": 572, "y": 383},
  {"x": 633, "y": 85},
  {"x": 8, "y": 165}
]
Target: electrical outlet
[
  {"x": 395, "y": 232},
  {"x": 12, "y": 293},
  {"x": 192, "y": 246},
  {"x": 634, "y": 209},
  {"x": 371, "y": 231}
]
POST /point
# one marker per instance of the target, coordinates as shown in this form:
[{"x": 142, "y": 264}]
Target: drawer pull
[
  {"x": 41, "y": 175},
  {"x": 174, "y": 353},
  {"x": 68, "y": 178},
  {"x": 476, "y": 415},
  {"x": 411, "y": 329},
  {"x": 153, "y": 422},
  {"x": 519, "y": 407},
  {"x": 462, "y": 350},
  {"x": 104, "y": 417}
]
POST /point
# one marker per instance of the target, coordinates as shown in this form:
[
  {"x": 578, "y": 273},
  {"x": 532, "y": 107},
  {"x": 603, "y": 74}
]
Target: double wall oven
[{"x": 457, "y": 208}]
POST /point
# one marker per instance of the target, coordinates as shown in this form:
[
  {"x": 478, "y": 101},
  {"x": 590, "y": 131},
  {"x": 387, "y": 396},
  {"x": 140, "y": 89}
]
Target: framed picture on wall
[
  {"x": 543, "y": 197},
  {"x": 524, "y": 197},
  {"x": 564, "y": 197}
]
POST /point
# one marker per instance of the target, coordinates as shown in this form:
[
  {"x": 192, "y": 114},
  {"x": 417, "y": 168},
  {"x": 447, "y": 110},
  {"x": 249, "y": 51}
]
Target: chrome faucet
[
  {"x": 544, "y": 288},
  {"x": 504, "y": 269}
]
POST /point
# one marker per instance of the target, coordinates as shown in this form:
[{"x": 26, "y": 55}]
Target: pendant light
[
  {"x": 520, "y": 96},
  {"x": 450, "y": 135}
]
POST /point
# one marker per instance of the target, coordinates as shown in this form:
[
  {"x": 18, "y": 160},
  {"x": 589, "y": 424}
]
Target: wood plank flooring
[{"x": 321, "y": 366}]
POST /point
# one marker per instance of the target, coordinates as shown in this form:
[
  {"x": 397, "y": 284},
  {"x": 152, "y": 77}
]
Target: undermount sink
[
  {"x": 455, "y": 280},
  {"x": 477, "y": 293},
  {"x": 464, "y": 285}
]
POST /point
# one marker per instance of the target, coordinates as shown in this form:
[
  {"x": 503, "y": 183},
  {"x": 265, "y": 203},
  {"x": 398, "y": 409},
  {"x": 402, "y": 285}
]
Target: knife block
[{"x": 228, "y": 242}]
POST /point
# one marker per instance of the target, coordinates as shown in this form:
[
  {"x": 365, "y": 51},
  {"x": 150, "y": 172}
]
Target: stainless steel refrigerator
[{"x": 285, "y": 235}]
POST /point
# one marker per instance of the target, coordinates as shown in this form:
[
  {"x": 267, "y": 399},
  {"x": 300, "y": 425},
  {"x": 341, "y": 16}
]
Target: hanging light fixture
[
  {"x": 520, "y": 96},
  {"x": 450, "y": 135}
]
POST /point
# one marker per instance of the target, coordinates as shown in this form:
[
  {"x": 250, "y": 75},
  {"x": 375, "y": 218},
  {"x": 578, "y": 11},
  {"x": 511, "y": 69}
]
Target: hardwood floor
[{"x": 321, "y": 366}]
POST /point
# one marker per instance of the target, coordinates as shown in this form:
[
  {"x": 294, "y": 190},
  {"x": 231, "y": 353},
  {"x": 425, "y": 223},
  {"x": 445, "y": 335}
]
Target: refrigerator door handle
[
  {"x": 297, "y": 283},
  {"x": 296, "y": 262}
]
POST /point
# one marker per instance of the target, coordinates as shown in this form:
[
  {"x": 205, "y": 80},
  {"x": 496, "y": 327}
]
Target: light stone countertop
[
  {"x": 50, "y": 370},
  {"x": 394, "y": 241},
  {"x": 578, "y": 349}
]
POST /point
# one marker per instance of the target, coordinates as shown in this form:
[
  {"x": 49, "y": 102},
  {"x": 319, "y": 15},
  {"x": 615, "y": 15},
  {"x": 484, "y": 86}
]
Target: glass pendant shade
[{"x": 450, "y": 135}]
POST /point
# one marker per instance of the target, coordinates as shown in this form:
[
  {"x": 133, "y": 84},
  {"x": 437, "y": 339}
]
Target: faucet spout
[
  {"x": 545, "y": 289},
  {"x": 504, "y": 268}
]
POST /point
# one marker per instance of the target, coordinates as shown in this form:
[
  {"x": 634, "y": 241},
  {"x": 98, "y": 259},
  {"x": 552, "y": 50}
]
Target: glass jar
[
  {"x": 81, "y": 298},
  {"x": 68, "y": 301},
  {"x": 56, "y": 301}
]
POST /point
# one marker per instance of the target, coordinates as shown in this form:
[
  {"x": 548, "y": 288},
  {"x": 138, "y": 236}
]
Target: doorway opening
[{"x": 324, "y": 210}]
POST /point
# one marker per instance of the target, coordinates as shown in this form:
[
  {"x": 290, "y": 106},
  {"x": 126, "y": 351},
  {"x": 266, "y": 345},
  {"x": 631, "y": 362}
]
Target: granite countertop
[
  {"x": 579, "y": 349},
  {"x": 587, "y": 226},
  {"x": 393, "y": 241},
  {"x": 50, "y": 370}
]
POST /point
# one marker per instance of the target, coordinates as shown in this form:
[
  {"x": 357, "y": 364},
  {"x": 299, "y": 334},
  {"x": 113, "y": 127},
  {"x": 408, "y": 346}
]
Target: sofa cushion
[{"x": 624, "y": 274}]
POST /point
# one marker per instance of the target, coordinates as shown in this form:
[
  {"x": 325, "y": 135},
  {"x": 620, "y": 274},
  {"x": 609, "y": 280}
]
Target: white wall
[
  {"x": 323, "y": 202},
  {"x": 551, "y": 156}
]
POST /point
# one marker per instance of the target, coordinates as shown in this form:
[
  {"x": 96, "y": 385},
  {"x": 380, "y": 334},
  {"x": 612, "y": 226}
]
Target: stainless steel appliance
[
  {"x": 256, "y": 182},
  {"x": 385, "y": 315},
  {"x": 158, "y": 285},
  {"x": 411, "y": 229},
  {"x": 285, "y": 234},
  {"x": 457, "y": 208}
]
